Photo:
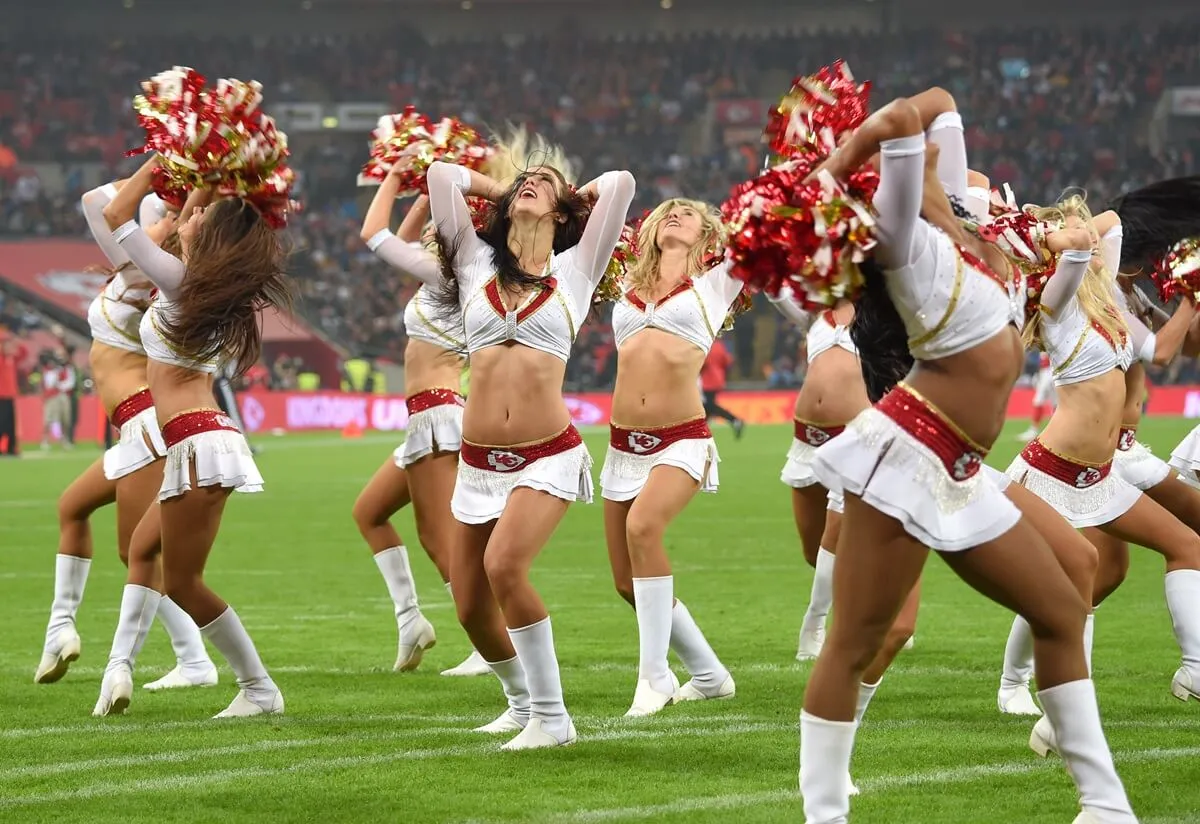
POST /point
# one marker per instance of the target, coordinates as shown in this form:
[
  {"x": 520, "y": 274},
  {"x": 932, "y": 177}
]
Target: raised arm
[
  {"x": 614, "y": 193},
  {"x": 162, "y": 268},
  {"x": 449, "y": 186},
  {"x": 93, "y": 204},
  {"x": 404, "y": 251},
  {"x": 1074, "y": 246},
  {"x": 1159, "y": 349},
  {"x": 787, "y": 305},
  {"x": 944, "y": 128}
]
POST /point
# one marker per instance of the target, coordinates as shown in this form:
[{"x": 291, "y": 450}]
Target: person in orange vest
[
  {"x": 10, "y": 353},
  {"x": 712, "y": 380}
]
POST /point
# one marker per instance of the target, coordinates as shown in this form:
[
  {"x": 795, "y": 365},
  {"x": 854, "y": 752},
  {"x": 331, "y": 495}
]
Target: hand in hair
[{"x": 1073, "y": 237}]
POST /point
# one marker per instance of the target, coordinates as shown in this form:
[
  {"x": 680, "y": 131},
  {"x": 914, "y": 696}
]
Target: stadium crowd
[{"x": 1046, "y": 109}]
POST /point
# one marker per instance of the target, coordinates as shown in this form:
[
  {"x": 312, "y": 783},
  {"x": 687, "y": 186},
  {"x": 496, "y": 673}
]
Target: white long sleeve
[
  {"x": 411, "y": 259},
  {"x": 615, "y": 191},
  {"x": 1064, "y": 283},
  {"x": 946, "y": 132},
  {"x": 449, "y": 208},
  {"x": 163, "y": 269},
  {"x": 1110, "y": 249},
  {"x": 93, "y": 204},
  {"x": 788, "y": 306},
  {"x": 898, "y": 199}
]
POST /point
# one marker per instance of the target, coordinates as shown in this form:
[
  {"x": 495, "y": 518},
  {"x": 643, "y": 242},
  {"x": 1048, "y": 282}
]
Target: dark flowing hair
[
  {"x": 570, "y": 215},
  {"x": 1156, "y": 217},
  {"x": 234, "y": 271},
  {"x": 878, "y": 333}
]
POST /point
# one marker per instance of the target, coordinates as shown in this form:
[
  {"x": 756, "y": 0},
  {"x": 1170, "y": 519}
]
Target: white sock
[
  {"x": 70, "y": 577},
  {"x": 229, "y": 636},
  {"x": 694, "y": 651},
  {"x": 653, "y": 598},
  {"x": 449, "y": 591},
  {"x": 185, "y": 636},
  {"x": 1089, "y": 634},
  {"x": 865, "y": 693},
  {"x": 1018, "y": 655},
  {"x": 397, "y": 574},
  {"x": 822, "y": 589},
  {"x": 1183, "y": 601},
  {"x": 138, "y": 606},
  {"x": 825, "y": 749},
  {"x": 512, "y": 679},
  {"x": 1073, "y": 713},
  {"x": 535, "y": 648}
]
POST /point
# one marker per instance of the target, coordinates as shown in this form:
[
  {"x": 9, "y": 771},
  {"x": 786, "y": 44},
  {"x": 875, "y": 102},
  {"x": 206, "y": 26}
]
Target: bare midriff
[
  {"x": 427, "y": 366},
  {"x": 1088, "y": 418},
  {"x": 657, "y": 380},
  {"x": 118, "y": 374},
  {"x": 516, "y": 396},
  {"x": 176, "y": 389}
]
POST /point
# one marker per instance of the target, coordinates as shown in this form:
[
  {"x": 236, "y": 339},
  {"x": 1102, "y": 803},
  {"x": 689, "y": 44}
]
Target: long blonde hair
[
  {"x": 644, "y": 273},
  {"x": 1096, "y": 296},
  {"x": 517, "y": 151}
]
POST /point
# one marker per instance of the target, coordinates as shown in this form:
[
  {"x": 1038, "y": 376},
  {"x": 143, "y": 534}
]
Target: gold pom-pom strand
[{"x": 413, "y": 135}]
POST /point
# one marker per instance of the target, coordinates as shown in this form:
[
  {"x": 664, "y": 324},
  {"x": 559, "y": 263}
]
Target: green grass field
[{"x": 361, "y": 744}]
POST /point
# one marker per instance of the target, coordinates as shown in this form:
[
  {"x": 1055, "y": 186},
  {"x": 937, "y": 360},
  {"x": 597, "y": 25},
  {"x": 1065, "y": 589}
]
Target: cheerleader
[
  {"x": 206, "y": 310},
  {"x": 935, "y": 429},
  {"x": 422, "y": 470},
  {"x": 661, "y": 451},
  {"x": 522, "y": 460},
  {"x": 1070, "y": 464},
  {"x": 832, "y": 394},
  {"x": 130, "y": 472}
]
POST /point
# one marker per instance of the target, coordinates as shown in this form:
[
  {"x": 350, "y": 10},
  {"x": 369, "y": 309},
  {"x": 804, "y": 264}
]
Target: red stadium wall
[{"x": 265, "y": 412}]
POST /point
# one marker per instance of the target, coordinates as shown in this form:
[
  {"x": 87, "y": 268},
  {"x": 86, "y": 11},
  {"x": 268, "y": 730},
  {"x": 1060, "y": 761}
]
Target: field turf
[{"x": 361, "y": 744}]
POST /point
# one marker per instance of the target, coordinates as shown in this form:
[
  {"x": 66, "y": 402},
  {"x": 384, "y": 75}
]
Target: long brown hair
[{"x": 234, "y": 271}]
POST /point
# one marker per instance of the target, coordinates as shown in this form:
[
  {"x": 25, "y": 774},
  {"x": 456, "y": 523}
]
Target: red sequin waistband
[
  {"x": 815, "y": 434},
  {"x": 650, "y": 441},
  {"x": 1070, "y": 471},
  {"x": 131, "y": 407},
  {"x": 512, "y": 458},
  {"x": 186, "y": 424},
  {"x": 961, "y": 456},
  {"x": 1127, "y": 438},
  {"x": 429, "y": 398}
]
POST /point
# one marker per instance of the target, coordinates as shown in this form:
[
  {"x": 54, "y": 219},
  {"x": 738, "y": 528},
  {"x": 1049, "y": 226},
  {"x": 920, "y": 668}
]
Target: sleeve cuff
[
  {"x": 124, "y": 231},
  {"x": 1114, "y": 233},
  {"x": 1146, "y": 353},
  {"x": 1077, "y": 256},
  {"x": 913, "y": 144},
  {"x": 378, "y": 238},
  {"x": 108, "y": 190},
  {"x": 947, "y": 120}
]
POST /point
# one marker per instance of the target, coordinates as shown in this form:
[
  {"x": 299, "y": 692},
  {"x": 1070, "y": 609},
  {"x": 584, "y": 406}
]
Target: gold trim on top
[
  {"x": 108, "y": 319},
  {"x": 951, "y": 305},
  {"x": 437, "y": 332},
  {"x": 955, "y": 428}
]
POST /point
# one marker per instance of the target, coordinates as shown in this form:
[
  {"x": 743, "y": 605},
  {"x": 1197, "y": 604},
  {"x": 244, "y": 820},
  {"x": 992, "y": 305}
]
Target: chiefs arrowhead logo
[
  {"x": 642, "y": 442},
  {"x": 502, "y": 460},
  {"x": 815, "y": 435},
  {"x": 1127, "y": 440},
  {"x": 1087, "y": 477},
  {"x": 966, "y": 466}
]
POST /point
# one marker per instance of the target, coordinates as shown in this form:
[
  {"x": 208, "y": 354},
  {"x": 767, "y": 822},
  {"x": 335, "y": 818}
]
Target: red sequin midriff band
[
  {"x": 648, "y": 441},
  {"x": 429, "y": 398},
  {"x": 1070, "y": 471},
  {"x": 921, "y": 419},
  {"x": 1127, "y": 438},
  {"x": 512, "y": 458},
  {"x": 131, "y": 407},
  {"x": 815, "y": 434},
  {"x": 186, "y": 424}
]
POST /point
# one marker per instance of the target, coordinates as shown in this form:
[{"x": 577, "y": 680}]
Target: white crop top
[
  {"x": 825, "y": 334},
  {"x": 548, "y": 319},
  {"x": 695, "y": 310},
  {"x": 1079, "y": 349},
  {"x": 950, "y": 300},
  {"x": 424, "y": 320},
  {"x": 111, "y": 317},
  {"x": 166, "y": 272}
]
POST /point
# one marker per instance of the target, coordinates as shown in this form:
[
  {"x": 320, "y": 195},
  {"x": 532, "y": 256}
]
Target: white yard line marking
[{"x": 194, "y": 781}]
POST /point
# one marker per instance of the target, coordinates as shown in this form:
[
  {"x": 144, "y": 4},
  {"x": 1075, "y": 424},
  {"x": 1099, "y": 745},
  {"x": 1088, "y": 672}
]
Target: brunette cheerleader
[
  {"x": 422, "y": 470},
  {"x": 131, "y": 471},
  {"x": 661, "y": 451},
  {"x": 206, "y": 311},
  {"x": 935, "y": 428},
  {"x": 522, "y": 461}
]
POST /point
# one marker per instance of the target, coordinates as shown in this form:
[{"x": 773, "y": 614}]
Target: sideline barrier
[{"x": 273, "y": 412}]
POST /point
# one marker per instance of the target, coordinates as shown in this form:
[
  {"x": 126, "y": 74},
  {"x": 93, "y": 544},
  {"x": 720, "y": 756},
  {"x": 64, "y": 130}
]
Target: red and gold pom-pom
[
  {"x": 810, "y": 234},
  {"x": 740, "y": 305},
  {"x": 612, "y": 282},
  {"x": 1178, "y": 271},
  {"x": 411, "y": 134},
  {"x": 1022, "y": 239},
  {"x": 481, "y": 212},
  {"x": 209, "y": 137},
  {"x": 816, "y": 111},
  {"x": 270, "y": 195}
]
